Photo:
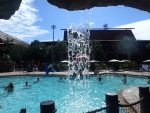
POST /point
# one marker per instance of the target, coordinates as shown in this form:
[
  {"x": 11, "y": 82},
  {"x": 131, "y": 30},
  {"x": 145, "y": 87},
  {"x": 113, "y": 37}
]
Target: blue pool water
[{"x": 69, "y": 96}]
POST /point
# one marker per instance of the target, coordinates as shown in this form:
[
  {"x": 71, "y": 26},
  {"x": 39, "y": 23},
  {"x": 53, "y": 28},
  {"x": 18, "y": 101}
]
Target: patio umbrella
[
  {"x": 93, "y": 61},
  {"x": 114, "y": 64},
  {"x": 146, "y": 61},
  {"x": 64, "y": 61},
  {"x": 113, "y": 60},
  {"x": 124, "y": 61}
]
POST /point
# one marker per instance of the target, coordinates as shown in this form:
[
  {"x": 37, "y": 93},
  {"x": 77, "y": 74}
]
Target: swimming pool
[{"x": 69, "y": 96}]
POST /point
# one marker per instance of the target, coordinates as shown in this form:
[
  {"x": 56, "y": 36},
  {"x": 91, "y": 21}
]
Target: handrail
[
  {"x": 119, "y": 105},
  {"x": 97, "y": 110},
  {"x": 132, "y": 104}
]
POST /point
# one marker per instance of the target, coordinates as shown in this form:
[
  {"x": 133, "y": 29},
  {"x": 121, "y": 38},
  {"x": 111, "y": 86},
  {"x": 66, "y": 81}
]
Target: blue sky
[{"x": 35, "y": 17}]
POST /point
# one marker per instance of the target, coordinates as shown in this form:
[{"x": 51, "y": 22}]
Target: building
[
  {"x": 6, "y": 39},
  {"x": 119, "y": 43},
  {"x": 10, "y": 39}
]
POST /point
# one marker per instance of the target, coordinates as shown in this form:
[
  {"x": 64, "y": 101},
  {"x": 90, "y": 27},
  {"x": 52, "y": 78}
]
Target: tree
[
  {"x": 36, "y": 51},
  {"x": 60, "y": 50},
  {"x": 128, "y": 47},
  {"x": 17, "y": 53},
  {"x": 96, "y": 50}
]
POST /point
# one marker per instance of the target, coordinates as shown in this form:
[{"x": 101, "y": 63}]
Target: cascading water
[
  {"x": 78, "y": 52},
  {"x": 78, "y": 99}
]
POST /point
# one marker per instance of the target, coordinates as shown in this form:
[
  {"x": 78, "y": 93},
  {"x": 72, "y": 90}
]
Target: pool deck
[{"x": 21, "y": 73}]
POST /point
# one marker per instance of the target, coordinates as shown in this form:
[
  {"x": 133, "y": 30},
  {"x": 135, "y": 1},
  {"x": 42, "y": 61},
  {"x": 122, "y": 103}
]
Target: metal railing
[
  {"x": 123, "y": 108},
  {"x": 101, "y": 110},
  {"x": 130, "y": 108}
]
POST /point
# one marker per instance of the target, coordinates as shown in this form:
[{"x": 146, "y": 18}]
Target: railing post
[
  {"x": 145, "y": 104},
  {"x": 112, "y": 103},
  {"x": 48, "y": 107}
]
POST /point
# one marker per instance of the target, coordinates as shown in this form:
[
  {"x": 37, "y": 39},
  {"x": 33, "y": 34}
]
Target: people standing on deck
[{"x": 96, "y": 71}]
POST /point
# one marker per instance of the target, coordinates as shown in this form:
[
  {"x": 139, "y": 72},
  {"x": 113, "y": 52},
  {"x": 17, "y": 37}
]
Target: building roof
[
  {"x": 109, "y": 34},
  {"x": 8, "y": 38}
]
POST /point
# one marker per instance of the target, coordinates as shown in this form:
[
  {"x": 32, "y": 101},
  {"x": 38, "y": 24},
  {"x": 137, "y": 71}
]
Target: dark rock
[
  {"x": 86, "y": 4},
  {"x": 8, "y": 8}
]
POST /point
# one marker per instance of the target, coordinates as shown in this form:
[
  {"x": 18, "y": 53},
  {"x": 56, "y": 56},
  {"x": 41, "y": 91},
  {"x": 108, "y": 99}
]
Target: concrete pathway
[{"x": 66, "y": 73}]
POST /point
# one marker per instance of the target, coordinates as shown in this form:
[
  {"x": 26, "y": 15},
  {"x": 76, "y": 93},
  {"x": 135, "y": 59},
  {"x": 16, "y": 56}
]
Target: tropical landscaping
[{"x": 37, "y": 54}]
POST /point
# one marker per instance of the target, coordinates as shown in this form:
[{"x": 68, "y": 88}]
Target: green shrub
[{"x": 6, "y": 66}]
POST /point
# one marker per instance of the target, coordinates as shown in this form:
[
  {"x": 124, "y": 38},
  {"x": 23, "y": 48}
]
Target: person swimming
[
  {"x": 99, "y": 77},
  {"x": 27, "y": 85},
  {"x": 124, "y": 80},
  {"x": 23, "y": 110},
  {"x": 9, "y": 87},
  {"x": 37, "y": 80},
  {"x": 148, "y": 81}
]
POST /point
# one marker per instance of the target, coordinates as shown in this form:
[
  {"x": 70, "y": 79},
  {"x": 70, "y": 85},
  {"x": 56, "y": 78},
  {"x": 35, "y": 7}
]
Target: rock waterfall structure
[
  {"x": 8, "y": 8},
  {"x": 87, "y": 4}
]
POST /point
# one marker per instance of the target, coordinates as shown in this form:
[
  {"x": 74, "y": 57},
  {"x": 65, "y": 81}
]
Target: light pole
[{"x": 53, "y": 28}]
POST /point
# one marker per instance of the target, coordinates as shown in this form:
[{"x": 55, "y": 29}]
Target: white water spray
[{"x": 78, "y": 51}]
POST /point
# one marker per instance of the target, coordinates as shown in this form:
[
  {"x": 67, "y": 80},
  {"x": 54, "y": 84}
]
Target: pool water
[{"x": 69, "y": 96}]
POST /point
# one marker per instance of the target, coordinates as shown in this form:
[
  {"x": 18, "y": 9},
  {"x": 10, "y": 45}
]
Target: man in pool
[
  {"x": 148, "y": 81},
  {"x": 99, "y": 77},
  {"x": 27, "y": 85},
  {"x": 124, "y": 80},
  {"x": 23, "y": 110},
  {"x": 9, "y": 87},
  {"x": 37, "y": 80}
]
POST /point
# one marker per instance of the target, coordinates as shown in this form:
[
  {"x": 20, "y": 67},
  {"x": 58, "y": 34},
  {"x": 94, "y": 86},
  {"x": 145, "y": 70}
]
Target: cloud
[
  {"x": 91, "y": 23},
  {"x": 141, "y": 29},
  {"x": 22, "y": 23}
]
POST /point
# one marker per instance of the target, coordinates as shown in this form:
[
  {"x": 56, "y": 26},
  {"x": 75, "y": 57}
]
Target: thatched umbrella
[
  {"x": 94, "y": 61},
  {"x": 64, "y": 61}
]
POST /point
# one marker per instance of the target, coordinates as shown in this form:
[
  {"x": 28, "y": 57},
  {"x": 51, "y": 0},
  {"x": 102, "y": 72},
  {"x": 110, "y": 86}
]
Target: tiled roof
[{"x": 108, "y": 34}]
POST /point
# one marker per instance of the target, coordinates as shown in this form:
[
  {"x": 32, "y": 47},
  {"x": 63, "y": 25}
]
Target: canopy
[
  {"x": 64, "y": 61},
  {"x": 146, "y": 61},
  {"x": 124, "y": 61},
  {"x": 92, "y": 61},
  {"x": 113, "y": 60}
]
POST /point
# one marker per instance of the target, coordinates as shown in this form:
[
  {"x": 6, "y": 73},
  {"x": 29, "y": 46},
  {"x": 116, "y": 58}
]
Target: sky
[{"x": 34, "y": 18}]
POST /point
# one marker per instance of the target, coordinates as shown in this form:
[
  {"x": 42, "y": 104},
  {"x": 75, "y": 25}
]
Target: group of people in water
[
  {"x": 10, "y": 86},
  {"x": 124, "y": 80}
]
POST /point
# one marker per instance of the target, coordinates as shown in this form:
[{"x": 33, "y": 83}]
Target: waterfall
[{"x": 78, "y": 52}]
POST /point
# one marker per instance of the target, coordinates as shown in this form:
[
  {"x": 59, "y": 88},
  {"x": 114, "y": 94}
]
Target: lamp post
[{"x": 53, "y": 27}]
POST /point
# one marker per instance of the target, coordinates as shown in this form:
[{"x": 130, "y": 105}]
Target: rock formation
[
  {"x": 86, "y": 4},
  {"x": 8, "y": 8}
]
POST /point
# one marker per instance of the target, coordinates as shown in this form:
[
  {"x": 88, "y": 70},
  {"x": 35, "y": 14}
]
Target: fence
[
  {"x": 101, "y": 110},
  {"x": 130, "y": 108},
  {"x": 113, "y": 105}
]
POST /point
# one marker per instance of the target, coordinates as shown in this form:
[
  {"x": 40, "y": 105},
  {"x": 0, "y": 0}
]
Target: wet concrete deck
[{"x": 66, "y": 73}]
